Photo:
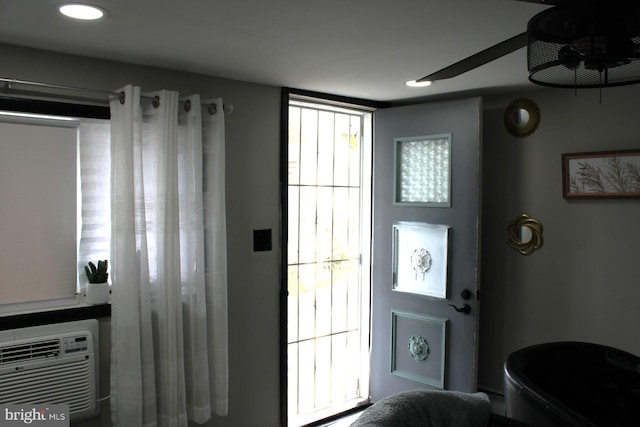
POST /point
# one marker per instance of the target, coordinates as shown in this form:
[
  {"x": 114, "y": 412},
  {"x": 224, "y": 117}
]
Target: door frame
[{"x": 285, "y": 95}]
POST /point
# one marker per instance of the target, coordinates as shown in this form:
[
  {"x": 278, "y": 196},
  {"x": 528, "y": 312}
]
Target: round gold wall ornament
[
  {"x": 524, "y": 234},
  {"x": 522, "y": 117}
]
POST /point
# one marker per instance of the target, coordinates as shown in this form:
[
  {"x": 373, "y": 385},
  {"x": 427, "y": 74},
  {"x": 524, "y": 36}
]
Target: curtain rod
[{"x": 211, "y": 108}]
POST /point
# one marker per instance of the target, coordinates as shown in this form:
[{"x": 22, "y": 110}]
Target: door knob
[{"x": 466, "y": 308}]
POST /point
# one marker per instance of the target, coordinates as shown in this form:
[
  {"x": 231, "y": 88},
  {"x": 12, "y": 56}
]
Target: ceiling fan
[{"x": 573, "y": 44}]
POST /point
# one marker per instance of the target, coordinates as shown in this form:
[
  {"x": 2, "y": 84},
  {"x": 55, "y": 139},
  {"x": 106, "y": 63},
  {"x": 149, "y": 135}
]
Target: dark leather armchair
[{"x": 573, "y": 384}]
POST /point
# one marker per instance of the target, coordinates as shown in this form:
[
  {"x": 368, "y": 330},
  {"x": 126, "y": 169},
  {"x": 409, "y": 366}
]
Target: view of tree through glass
[{"x": 326, "y": 340}]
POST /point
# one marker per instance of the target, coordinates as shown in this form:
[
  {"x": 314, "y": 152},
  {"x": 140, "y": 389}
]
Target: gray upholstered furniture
[{"x": 428, "y": 408}]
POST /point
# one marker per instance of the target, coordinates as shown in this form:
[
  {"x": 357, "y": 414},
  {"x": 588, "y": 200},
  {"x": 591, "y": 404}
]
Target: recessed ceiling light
[
  {"x": 82, "y": 11},
  {"x": 415, "y": 83}
]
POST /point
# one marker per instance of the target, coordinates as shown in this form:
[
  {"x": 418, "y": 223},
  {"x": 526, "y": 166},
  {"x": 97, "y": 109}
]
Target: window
[
  {"x": 94, "y": 235},
  {"x": 328, "y": 251},
  {"x": 54, "y": 210}
]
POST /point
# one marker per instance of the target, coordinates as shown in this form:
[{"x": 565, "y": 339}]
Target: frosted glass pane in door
[{"x": 423, "y": 170}]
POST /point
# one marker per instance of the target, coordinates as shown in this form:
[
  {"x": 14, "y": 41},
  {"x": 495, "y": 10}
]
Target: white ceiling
[{"x": 357, "y": 48}]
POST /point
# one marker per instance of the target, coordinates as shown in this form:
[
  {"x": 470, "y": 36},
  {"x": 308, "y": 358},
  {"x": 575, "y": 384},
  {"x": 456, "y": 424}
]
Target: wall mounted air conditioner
[{"x": 52, "y": 364}]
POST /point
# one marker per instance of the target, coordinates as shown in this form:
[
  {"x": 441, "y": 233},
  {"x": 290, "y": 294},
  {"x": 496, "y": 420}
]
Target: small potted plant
[{"x": 97, "y": 291}]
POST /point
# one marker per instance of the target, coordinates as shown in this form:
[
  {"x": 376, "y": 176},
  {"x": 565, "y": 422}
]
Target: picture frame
[
  {"x": 419, "y": 256},
  {"x": 601, "y": 174},
  {"x": 419, "y": 347},
  {"x": 422, "y": 171}
]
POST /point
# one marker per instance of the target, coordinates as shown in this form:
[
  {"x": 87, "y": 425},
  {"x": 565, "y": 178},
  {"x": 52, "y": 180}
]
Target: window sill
[{"x": 78, "y": 312}]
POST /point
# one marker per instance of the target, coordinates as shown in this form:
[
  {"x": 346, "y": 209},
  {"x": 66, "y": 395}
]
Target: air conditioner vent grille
[
  {"x": 29, "y": 351},
  {"x": 52, "y": 364},
  {"x": 67, "y": 381}
]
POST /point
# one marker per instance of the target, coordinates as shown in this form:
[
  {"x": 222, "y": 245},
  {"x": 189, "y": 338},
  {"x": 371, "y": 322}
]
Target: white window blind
[
  {"x": 54, "y": 207},
  {"x": 37, "y": 212}
]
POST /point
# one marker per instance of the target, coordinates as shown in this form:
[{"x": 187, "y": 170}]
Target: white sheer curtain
[{"x": 169, "y": 298}]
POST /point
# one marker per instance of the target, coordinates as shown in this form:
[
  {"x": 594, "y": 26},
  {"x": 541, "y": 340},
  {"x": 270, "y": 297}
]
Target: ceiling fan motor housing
[{"x": 585, "y": 44}]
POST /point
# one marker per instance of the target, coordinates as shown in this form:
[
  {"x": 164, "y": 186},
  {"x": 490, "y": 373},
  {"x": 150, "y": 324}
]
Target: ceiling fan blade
[
  {"x": 494, "y": 52},
  {"x": 549, "y": 2}
]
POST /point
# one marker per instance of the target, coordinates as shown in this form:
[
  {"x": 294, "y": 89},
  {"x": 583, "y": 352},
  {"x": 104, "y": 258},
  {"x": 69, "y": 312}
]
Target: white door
[{"x": 424, "y": 318}]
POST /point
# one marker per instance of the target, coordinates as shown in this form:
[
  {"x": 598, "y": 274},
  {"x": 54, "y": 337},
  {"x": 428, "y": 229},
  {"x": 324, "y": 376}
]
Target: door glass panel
[{"x": 328, "y": 236}]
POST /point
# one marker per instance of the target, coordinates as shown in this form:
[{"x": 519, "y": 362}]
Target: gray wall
[
  {"x": 252, "y": 148},
  {"x": 583, "y": 283}
]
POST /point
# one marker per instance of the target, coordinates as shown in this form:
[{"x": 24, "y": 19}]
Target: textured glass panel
[{"x": 423, "y": 170}]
